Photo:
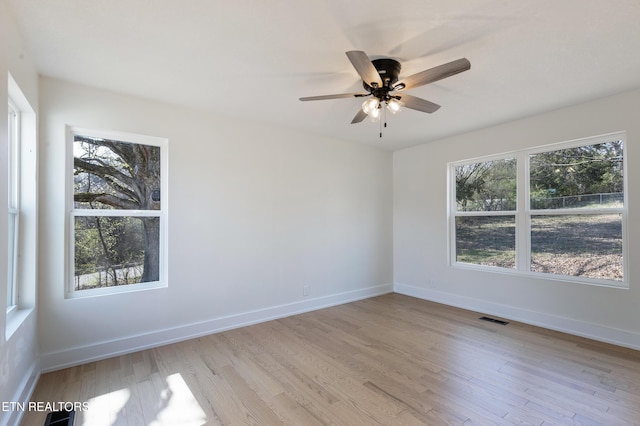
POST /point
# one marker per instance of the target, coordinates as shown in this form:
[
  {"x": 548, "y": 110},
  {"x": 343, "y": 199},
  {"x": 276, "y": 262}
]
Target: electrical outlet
[{"x": 305, "y": 290}]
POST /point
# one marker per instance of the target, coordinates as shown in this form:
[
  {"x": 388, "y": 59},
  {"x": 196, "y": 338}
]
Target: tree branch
[
  {"x": 110, "y": 200},
  {"x": 104, "y": 171}
]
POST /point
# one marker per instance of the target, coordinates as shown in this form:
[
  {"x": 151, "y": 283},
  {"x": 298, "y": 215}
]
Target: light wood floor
[{"x": 390, "y": 360}]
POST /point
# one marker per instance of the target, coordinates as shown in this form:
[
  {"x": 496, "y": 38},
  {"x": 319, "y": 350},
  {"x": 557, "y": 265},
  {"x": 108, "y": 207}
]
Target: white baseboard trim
[
  {"x": 23, "y": 395},
  {"x": 57, "y": 360},
  {"x": 592, "y": 331}
]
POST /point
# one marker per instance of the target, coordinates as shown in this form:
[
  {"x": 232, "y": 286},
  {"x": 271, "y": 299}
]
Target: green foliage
[
  {"x": 486, "y": 186},
  {"x": 111, "y": 246},
  {"x": 584, "y": 170},
  {"x": 560, "y": 178}
]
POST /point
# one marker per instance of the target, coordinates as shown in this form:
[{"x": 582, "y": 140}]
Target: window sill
[
  {"x": 15, "y": 319},
  {"x": 620, "y": 285},
  {"x": 106, "y": 291}
]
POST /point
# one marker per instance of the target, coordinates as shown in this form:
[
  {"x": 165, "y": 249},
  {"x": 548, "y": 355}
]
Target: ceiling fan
[{"x": 380, "y": 80}]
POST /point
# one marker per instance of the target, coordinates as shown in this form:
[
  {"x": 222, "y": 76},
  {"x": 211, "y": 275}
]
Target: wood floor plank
[{"x": 388, "y": 360}]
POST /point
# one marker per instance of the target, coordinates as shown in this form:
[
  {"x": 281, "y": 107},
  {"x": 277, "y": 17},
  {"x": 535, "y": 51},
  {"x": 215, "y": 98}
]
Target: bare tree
[{"x": 124, "y": 176}]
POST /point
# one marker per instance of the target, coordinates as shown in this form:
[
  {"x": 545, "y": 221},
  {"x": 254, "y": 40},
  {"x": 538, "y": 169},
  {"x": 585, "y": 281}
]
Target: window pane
[
  {"x": 13, "y": 169},
  {"x": 486, "y": 186},
  {"x": 586, "y": 176},
  {"x": 110, "y": 174},
  {"x": 578, "y": 245},
  {"x": 13, "y": 159},
  {"x": 112, "y": 251},
  {"x": 12, "y": 238},
  {"x": 486, "y": 240}
]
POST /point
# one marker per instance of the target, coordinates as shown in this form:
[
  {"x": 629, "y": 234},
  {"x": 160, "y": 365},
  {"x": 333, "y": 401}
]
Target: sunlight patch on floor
[
  {"x": 168, "y": 401},
  {"x": 104, "y": 409},
  {"x": 182, "y": 407}
]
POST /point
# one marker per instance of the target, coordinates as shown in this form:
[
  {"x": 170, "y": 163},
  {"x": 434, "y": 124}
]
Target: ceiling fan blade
[
  {"x": 418, "y": 104},
  {"x": 433, "y": 74},
  {"x": 361, "y": 115},
  {"x": 339, "y": 96},
  {"x": 365, "y": 68}
]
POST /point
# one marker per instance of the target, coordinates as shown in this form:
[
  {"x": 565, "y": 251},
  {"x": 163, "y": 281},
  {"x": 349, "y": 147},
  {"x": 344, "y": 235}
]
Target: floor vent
[
  {"x": 497, "y": 321},
  {"x": 60, "y": 418}
]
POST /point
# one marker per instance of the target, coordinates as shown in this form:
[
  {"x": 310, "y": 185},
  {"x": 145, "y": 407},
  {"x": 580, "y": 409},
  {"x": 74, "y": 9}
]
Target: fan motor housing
[{"x": 389, "y": 70}]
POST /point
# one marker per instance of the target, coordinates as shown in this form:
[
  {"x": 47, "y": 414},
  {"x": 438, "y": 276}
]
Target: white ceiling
[{"x": 255, "y": 58}]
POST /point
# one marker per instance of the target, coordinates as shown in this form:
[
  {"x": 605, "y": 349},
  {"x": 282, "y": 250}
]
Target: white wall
[
  {"x": 255, "y": 214},
  {"x": 420, "y": 228},
  {"x": 19, "y": 360}
]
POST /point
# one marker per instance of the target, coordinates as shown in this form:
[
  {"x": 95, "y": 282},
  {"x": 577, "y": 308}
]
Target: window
[
  {"x": 485, "y": 212},
  {"x": 22, "y": 241},
  {"x": 118, "y": 213},
  {"x": 14, "y": 205},
  {"x": 555, "y": 210}
]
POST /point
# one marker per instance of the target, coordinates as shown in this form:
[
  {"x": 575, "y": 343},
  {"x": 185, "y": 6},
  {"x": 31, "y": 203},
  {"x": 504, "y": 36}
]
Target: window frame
[
  {"x": 524, "y": 213},
  {"x": 455, "y": 213},
  {"x": 72, "y": 212},
  {"x": 13, "y": 208},
  {"x": 25, "y": 157}
]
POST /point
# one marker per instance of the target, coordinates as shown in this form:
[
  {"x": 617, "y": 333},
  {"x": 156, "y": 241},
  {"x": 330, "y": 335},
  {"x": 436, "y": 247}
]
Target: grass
[
  {"x": 574, "y": 245},
  {"x": 502, "y": 259}
]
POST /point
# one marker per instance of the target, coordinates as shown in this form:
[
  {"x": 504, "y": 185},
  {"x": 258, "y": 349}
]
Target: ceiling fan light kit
[
  {"x": 380, "y": 79},
  {"x": 371, "y": 105},
  {"x": 394, "y": 105}
]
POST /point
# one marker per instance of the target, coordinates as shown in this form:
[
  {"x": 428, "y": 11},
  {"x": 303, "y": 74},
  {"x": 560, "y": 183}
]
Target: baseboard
[
  {"x": 23, "y": 394},
  {"x": 52, "y": 361},
  {"x": 592, "y": 331}
]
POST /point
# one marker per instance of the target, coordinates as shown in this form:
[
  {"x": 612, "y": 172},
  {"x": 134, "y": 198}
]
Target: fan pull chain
[{"x": 384, "y": 117}]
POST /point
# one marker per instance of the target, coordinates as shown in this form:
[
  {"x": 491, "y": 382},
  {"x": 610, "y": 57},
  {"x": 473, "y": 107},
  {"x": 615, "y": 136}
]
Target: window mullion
[
  {"x": 523, "y": 218},
  {"x": 114, "y": 212}
]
